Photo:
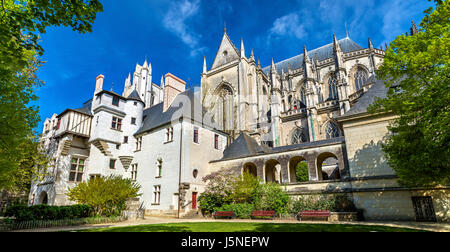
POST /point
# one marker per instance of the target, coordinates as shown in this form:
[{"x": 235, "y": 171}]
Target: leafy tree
[
  {"x": 218, "y": 191},
  {"x": 245, "y": 188},
  {"x": 301, "y": 172},
  {"x": 271, "y": 196},
  {"x": 31, "y": 167},
  {"x": 107, "y": 195},
  {"x": 21, "y": 23},
  {"x": 416, "y": 70}
]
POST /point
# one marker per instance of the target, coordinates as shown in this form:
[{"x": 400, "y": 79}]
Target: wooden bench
[
  {"x": 270, "y": 214},
  {"x": 320, "y": 214},
  {"x": 224, "y": 214}
]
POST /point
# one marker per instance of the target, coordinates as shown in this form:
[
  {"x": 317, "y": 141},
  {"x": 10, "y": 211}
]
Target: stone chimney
[
  {"x": 172, "y": 87},
  {"x": 99, "y": 83}
]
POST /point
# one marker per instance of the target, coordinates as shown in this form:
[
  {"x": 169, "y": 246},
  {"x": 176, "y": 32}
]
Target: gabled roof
[
  {"x": 186, "y": 105},
  {"x": 324, "y": 52},
  {"x": 228, "y": 46}
]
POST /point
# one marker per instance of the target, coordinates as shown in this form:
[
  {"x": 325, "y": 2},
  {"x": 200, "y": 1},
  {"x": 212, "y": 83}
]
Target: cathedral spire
[
  {"x": 259, "y": 63},
  {"x": 252, "y": 57},
  {"x": 370, "y": 44},
  {"x": 414, "y": 29},
  {"x": 336, "y": 46},
  {"x": 242, "y": 49},
  {"x": 145, "y": 64},
  {"x": 273, "y": 69},
  {"x": 305, "y": 55},
  {"x": 204, "y": 65}
]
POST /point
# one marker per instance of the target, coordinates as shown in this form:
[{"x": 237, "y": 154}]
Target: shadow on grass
[{"x": 251, "y": 227}]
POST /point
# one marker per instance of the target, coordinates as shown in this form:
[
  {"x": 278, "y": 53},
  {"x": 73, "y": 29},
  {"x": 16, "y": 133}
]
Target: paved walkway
[{"x": 435, "y": 227}]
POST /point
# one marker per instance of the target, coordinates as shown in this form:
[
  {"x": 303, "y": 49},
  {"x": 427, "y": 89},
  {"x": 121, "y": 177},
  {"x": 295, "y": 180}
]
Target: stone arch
[
  {"x": 272, "y": 171},
  {"x": 293, "y": 164},
  {"x": 328, "y": 166},
  {"x": 250, "y": 168},
  {"x": 43, "y": 198}
]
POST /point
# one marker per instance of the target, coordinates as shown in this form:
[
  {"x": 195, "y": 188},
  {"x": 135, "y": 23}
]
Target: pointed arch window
[
  {"x": 360, "y": 79},
  {"x": 331, "y": 130},
  {"x": 332, "y": 88},
  {"x": 298, "y": 136},
  {"x": 225, "y": 111},
  {"x": 303, "y": 94}
]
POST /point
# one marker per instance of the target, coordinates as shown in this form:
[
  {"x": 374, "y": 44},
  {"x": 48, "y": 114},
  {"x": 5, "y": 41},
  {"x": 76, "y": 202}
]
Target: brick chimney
[
  {"x": 99, "y": 83},
  {"x": 172, "y": 87}
]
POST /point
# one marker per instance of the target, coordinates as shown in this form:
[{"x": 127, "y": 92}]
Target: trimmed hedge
[{"x": 46, "y": 212}]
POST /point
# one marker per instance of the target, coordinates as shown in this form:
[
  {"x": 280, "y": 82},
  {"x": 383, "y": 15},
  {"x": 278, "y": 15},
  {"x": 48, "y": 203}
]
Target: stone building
[{"x": 310, "y": 109}]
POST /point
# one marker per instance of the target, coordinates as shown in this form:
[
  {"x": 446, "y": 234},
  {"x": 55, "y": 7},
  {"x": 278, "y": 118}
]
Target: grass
[{"x": 250, "y": 227}]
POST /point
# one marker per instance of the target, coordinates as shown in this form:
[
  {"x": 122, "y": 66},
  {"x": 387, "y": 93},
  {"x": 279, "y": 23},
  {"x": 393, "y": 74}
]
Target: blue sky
[{"x": 174, "y": 35}]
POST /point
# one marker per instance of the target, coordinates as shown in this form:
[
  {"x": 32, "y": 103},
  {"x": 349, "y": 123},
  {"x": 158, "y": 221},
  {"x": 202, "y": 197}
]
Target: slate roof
[
  {"x": 324, "y": 52},
  {"x": 378, "y": 90},
  {"x": 134, "y": 96},
  {"x": 186, "y": 105},
  {"x": 243, "y": 146}
]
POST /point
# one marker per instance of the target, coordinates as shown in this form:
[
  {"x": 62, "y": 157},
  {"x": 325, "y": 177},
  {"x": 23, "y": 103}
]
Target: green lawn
[{"x": 249, "y": 227}]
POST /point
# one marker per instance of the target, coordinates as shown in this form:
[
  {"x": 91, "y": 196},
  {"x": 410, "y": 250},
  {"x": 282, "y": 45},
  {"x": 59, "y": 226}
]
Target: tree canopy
[
  {"x": 21, "y": 24},
  {"x": 416, "y": 70}
]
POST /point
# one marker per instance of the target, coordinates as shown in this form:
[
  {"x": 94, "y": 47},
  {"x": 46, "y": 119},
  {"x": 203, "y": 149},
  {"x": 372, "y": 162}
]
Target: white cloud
[
  {"x": 288, "y": 25},
  {"x": 175, "y": 21}
]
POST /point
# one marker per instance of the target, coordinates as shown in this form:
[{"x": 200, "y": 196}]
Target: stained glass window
[
  {"x": 298, "y": 136},
  {"x": 332, "y": 88},
  {"x": 331, "y": 130},
  {"x": 360, "y": 79}
]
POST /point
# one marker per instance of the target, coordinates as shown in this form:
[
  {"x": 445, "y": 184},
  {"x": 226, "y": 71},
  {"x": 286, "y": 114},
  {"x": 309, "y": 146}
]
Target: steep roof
[
  {"x": 378, "y": 90},
  {"x": 324, "y": 52},
  {"x": 185, "y": 105},
  {"x": 134, "y": 96},
  {"x": 243, "y": 146}
]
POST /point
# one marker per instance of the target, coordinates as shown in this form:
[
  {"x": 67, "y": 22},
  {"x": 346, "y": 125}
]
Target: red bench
[
  {"x": 225, "y": 214},
  {"x": 321, "y": 214},
  {"x": 270, "y": 214}
]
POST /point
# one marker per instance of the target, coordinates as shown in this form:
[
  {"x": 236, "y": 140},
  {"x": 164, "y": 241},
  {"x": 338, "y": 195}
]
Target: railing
[{"x": 11, "y": 225}]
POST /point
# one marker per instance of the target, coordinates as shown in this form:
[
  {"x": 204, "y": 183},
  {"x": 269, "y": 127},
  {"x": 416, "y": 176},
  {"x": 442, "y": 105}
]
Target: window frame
[
  {"x": 114, "y": 99},
  {"x": 156, "y": 195},
  {"x": 113, "y": 163},
  {"x": 134, "y": 168},
  {"x": 77, "y": 173},
  {"x": 116, "y": 123},
  {"x": 196, "y": 135}
]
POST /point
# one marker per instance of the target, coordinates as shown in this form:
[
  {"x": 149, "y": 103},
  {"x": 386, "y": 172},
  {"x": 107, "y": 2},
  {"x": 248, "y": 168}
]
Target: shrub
[
  {"x": 242, "y": 210},
  {"x": 107, "y": 195},
  {"x": 270, "y": 196},
  {"x": 46, "y": 212},
  {"x": 309, "y": 203}
]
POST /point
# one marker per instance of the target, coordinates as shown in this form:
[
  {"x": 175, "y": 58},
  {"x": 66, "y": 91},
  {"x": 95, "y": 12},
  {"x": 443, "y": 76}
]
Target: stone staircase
[{"x": 192, "y": 214}]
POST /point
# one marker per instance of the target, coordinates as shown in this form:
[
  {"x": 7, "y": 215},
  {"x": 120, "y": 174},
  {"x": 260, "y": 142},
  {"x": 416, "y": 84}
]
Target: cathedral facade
[{"x": 293, "y": 101}]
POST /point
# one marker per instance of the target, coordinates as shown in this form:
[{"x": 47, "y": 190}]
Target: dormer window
[{"x": 115, "y": 101}]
